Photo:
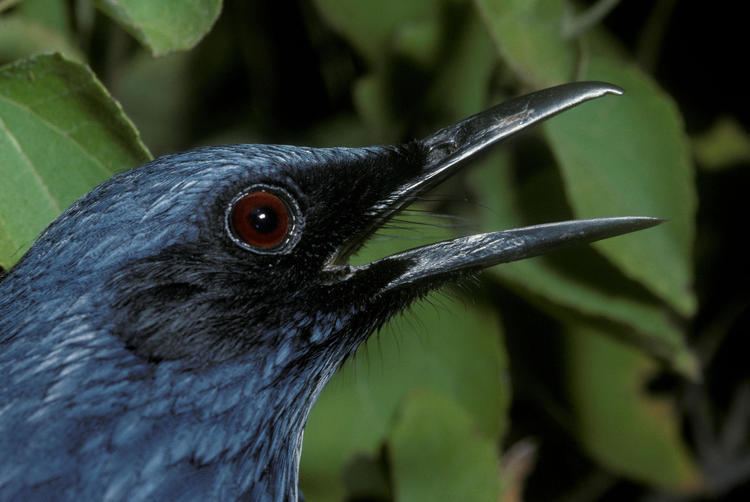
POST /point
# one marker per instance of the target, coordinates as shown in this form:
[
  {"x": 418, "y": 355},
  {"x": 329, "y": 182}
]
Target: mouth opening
[{"x": 444, "y": 153}]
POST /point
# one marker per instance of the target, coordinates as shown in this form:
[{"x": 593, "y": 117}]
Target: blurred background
[{"x": 613, "y": 372}]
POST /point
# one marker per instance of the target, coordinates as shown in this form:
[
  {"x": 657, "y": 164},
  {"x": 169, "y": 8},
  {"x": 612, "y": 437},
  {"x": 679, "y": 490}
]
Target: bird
[{"x": 166, "y": 336}]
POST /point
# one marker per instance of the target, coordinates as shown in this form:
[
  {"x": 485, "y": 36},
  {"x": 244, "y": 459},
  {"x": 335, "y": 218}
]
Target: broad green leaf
[
  {"x": 60, "y": 135},
  {"x": 577, "y": 279},
  {"x": 629, "y": 156},
  {"x": 617, "y": 422},
  {"x": 440, "y": 345},
  {"x": 725, "y": 144},
  {"x": 438, "y": 454},
  {"x": 52, "y": 14},
  {"x": 371, "y": 27},
  {"x": 21, "y": 37},
  {"x": 528, "y": 35},
  {"x": 164, "y": 26}
]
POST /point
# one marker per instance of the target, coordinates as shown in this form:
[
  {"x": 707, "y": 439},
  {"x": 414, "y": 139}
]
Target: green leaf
[
  {"x": 577, "y": 279},
  {"x": 439, "y": 345},
  {"x": 371, "y": 27},
  {"x": 629, "y": 156},
  {"x": 60, "y": 135},
  {"x": 617, "y": 422},
  {"x": 164, "y": 26},
  {"x": 528, "y": 35},
  {"x": 437, "y": 453},
  {"x": 21, "y": 37},
  {"x": 53, "y": 15},
  {"x": 725, "y": 144}
]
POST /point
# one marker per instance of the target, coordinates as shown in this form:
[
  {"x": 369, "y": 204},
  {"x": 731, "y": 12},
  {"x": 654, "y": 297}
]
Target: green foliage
[
  {"x": 618, "y": 424},
  {"x": 640, "y": 140},
  {"x": 21, "y": 36},
  {"x": 371, "y": 26},
  {"x": 437, "y": 454},
  {"x": 442, "y": 348},
  {"x": 528, "y": 35},
  {"x": 60, "y": 135},
  {"x": 52, "y": 15},
  {"x": 164, "y": 26},
  {"x": 572, "y": 342},
  {"x": 579, "y": 280}
]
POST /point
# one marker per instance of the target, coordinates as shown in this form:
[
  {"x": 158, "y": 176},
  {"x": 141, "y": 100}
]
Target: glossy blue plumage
[{"x": 84, "y": 417}]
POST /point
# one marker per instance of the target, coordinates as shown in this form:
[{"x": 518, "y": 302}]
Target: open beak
[{"x": 447, "y": 149}]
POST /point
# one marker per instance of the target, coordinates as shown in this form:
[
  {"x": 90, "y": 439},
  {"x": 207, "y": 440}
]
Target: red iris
[{"x": 261, "y": 219}]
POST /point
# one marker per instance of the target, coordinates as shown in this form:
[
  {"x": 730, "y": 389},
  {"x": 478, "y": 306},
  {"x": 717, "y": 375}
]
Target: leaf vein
[
  {"x": 98, "y": 163},
  {"x": 25, "y": 158}
]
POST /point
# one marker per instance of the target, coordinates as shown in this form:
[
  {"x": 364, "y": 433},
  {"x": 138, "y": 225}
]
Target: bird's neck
[
  {"x": 260, "y": 425},
  {"x": 239, "y": 423}
]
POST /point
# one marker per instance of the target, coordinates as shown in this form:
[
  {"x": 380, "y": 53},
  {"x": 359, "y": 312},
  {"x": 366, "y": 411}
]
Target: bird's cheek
[{"x": 327, "y": 326}]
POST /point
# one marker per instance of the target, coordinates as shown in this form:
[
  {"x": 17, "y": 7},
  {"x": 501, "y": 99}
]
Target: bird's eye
[{"x": 261, "y": 220}]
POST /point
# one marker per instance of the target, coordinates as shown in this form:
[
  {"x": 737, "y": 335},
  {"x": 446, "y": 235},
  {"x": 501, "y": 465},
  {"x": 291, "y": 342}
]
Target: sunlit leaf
[
  {"x": 528, "y": 35},
  {"x": 576, "y": 279},
  {"x": 60, "y": 135},
  {"x": 164, "y": 26},
  {"x": 437, "y": 453},
  {"x": 629, "y": 156},
  {"x": 617, "y": 422}
]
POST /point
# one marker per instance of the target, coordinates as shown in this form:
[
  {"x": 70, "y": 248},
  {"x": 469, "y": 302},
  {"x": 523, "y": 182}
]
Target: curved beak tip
[{"x": 607, "y": 88}]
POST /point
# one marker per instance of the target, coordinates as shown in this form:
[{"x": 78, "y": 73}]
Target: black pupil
[{"x": 264, "y": 219}]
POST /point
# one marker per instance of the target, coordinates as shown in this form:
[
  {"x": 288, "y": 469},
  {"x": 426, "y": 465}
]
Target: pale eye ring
[{"x": 263, "y": 219}]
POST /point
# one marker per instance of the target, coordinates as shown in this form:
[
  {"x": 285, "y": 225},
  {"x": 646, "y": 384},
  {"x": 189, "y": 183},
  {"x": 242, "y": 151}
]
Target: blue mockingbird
[{"x": 167, "y": 335}]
